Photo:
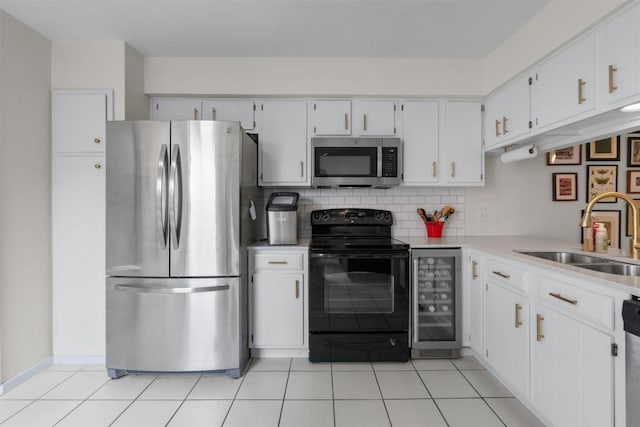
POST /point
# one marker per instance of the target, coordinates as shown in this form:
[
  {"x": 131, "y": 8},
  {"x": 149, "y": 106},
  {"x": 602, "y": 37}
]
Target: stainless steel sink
[
  {"x": 588, "y": 262},
  {"x": 566, "y": 257}
]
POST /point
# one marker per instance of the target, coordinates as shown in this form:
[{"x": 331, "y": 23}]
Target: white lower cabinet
[{"x": 278, "y": 301}]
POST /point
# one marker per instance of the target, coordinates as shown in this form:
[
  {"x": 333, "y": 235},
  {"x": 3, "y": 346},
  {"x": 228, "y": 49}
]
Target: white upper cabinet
[
  {"x": 507, "y": 113},
  {"x": 564, "y": 85},
  {"x": 176, "y": 109},
  {"x": 230, "y": 110},
  {"x": 618, "y": 57},
  {"x": 461, "y": 151},
  {"x": 420, "y": 133},
  {"x": 374, "y": 118},
  {"x": 79, "y": 122},
  {"x": 283, "y": 143},
  {"x": 330, "y": 117}
]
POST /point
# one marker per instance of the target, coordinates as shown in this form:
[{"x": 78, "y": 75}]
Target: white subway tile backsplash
[{"x": 401, "y": 201}]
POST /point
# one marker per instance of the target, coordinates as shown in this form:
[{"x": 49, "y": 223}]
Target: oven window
[
  {"x": 346, "y": 161},
  {"x": 358, "y": 286}
]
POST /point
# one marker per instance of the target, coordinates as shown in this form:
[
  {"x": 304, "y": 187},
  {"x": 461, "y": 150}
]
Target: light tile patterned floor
[{"x": 273, "y": 392}]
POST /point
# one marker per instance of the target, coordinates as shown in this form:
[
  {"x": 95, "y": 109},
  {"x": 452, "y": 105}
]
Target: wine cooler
[{"x": 437, "y": 305}]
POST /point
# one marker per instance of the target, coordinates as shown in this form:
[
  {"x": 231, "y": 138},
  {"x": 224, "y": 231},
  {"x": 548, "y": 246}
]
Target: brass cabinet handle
[
  {"x": 498, "y": 273},
  {"x": 278, "y": 262},
  {"x": 346, "y": 121},
  {"x": 504, "y": 125},
  {"x": 453, "y": 169},
  {"x": 539, "y": 319},
  {"x": 612, "y": 70},
  {"x": 297, "y": 289},
  {"x": 498, "y": 128},
  {"x": 301, "y": 169},
  {"x": 96, "y": 140},
  {"x": 97, "y": 166},
  {"x": 562, "y": 298},
  {"x": 434, "y": 169},
  {"x": 195, "y": 113},
  {"x": 580, "y": 84},
  {"x": 474, "y": 266},
  {"x": 364, "y": 121},
  {"x": 518, "y": 322}
]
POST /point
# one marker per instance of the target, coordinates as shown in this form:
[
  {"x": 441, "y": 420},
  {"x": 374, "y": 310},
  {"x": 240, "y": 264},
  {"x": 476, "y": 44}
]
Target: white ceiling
[{"x": 276, "y": 28}]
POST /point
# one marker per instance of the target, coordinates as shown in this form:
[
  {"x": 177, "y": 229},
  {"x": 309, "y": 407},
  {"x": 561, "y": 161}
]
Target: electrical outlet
[{"x": 482, "y": 215}]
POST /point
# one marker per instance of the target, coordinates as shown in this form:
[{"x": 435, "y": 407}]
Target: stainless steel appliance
[
  {"x": 437, "y": 325},
  {"x": 182, "y": 205},
  {"x": 282, "y": 218},
  {"x": 356, "y": 162},
  {"x": 631, "y": 318},
  {"x": 359, "y": 301}
]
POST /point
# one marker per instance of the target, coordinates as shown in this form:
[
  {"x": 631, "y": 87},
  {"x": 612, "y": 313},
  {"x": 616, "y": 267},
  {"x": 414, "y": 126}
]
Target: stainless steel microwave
[{"x": 356, "y": 162}]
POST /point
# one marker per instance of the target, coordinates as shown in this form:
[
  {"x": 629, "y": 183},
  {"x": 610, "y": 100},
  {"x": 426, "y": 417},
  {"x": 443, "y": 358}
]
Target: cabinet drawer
[
  {"x": 592, "y": 307},
  {"x": 279, "y": 261},
  {"x": 506, "y": 274}
]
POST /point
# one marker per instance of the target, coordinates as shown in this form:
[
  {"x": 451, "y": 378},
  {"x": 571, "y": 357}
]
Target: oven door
[{"x": 355, "y": 292}]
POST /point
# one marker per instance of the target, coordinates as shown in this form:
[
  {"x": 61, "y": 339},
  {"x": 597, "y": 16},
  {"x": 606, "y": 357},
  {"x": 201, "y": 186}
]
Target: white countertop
[
  {"x": 508, "y": 247},
  {"x": 264, "y": 244}
]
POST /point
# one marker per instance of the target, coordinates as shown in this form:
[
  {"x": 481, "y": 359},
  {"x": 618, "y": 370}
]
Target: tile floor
[{"x": 273, "y": 392}]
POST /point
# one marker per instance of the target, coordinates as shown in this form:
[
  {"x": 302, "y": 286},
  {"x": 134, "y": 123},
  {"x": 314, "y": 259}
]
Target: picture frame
[
  {"x": 601, "y": 178},
  {"x": 565, "y": 156},
  {"x": 633, "y": 181},
  {"x": 630, "y": 218},
  {"x": 633, "y": 151},
  {"x": 565, "y": 187},
  {"x": 604, "y": 149},
  {"x": 611, "y": 221}
]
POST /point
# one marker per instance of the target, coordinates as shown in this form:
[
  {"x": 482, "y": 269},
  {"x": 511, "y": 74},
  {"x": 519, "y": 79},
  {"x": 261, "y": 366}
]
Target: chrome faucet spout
[{"x": 634, "y": 245}]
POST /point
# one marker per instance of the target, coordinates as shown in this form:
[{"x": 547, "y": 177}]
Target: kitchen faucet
[{"x": 634, "y": 244}]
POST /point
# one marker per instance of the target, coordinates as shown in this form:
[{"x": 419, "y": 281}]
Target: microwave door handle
[{"x": 379, "y": 165}]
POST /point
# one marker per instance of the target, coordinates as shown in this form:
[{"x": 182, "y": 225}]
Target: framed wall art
[
  {"x": 601, "y": 178},
  {"x": 604, "y": 149},
  {"x": 565, "y": 187},
  {"x": 633, "y": 151},
  {"x": 611, "y": 221},
  {"x": 633, "y": 181},
  {"x": 630, "y": 218},
  {"x": 565, "y": 156}
]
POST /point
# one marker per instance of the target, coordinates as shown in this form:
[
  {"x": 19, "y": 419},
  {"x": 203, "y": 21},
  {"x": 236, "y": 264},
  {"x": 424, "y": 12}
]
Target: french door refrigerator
[{"x": 182, "y": 206}]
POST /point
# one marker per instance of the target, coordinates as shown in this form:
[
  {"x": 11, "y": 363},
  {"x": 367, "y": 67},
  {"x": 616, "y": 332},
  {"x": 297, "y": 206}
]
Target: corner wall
[{"x": 25, "y": 198}]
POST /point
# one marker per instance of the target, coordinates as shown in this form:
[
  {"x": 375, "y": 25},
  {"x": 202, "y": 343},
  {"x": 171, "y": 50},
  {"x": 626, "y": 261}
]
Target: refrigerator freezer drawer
[{"x": 173, "y": 325}]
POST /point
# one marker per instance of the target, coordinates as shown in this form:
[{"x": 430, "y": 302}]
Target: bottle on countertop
[{"x": 602, "y": 239}]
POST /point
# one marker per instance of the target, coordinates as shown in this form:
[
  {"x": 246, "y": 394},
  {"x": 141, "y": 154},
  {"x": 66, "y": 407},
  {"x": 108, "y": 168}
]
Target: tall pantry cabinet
[{"x": 78, "y": 223}]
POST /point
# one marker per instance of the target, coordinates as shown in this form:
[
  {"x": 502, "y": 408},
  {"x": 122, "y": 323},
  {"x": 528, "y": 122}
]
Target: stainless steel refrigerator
[{"x": 182, "y": 207}]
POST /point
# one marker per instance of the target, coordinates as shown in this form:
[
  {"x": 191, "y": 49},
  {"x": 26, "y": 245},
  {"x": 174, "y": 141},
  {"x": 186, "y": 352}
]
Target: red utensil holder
[{"x": 434, "y": 229}]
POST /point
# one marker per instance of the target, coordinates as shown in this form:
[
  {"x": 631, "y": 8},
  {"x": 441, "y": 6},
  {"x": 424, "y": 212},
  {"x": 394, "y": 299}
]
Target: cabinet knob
[
  {"x": 97, "y": 166},
  {"x": 96, "y": 140}
]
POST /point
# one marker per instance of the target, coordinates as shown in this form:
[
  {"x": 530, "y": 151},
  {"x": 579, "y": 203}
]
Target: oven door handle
[
  {"x": 351, "y": 255},
  {"x": 348, "y": 344}
]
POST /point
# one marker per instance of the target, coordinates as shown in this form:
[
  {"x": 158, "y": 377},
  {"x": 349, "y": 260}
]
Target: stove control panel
[{"x": 351, "y": 217}]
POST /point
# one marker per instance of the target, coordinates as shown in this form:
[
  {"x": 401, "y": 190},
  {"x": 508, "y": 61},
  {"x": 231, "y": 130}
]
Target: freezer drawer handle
[{"x": 157, "y": 290}]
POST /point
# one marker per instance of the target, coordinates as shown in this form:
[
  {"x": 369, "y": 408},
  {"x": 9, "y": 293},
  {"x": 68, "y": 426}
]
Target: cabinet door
[
  {"x": 618, "y": 57},
  {"x": 282, "y": 126},
  {"x": 78, "y": 225},
  {"x": 420, "y": 135},
  {"x": 79, "y": 122},
  {"x": 331, "y": 117},
  {"x": 507, "y": 335},
  {"x": 475, "y": 291},
  {"x": 176, "y": 109},
  {"x": 375, "y": 118},
  {"x": 571, "y": 371},
  {"x": 461, "y": 154},
  {"x": 564, "y": 85},
  {"x": 507, "y": 113},
  {"x": 232, "y": 111},
  {"x": 277, "y": 310}
]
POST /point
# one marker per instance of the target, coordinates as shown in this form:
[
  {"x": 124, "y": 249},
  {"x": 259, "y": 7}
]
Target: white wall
[
  {"x": 313, "y": 76},
  {"x": 136, "y": 102},
  {"x": 25, "y": 198}
]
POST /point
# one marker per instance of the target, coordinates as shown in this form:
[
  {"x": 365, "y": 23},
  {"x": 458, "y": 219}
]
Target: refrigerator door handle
[
  {"x": 161, "y": 197},
  {"x": 175, "y": 196},
  {"x": 142, "y": 289}
]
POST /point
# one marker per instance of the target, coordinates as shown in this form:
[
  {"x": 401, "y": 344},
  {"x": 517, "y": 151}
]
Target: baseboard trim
[
  {"x": 24, "y": 376},
  {"x": 279, "y": 352},
  {"x": 79, "y": 359}
]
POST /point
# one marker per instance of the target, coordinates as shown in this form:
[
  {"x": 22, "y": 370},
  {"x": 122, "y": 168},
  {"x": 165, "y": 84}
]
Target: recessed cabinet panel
[
  {"x": 176, "y": 109},
  {"x": 331, "y": 117},
  {"x": 232, "y": 111},
  {"x": 461, "y": 150},
  {"x": 79, "y": 122},
  {"x": 374, "y": 118},
  {"x": 508, "y": 112},
  {"x": 420, "y": 134}
]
